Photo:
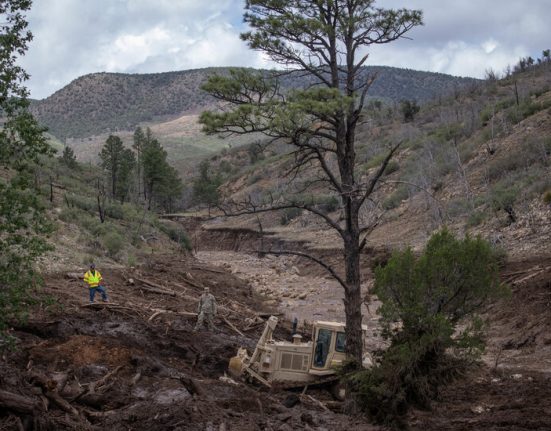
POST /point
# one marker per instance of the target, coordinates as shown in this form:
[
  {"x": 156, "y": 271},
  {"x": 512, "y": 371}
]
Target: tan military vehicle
[{"x": 288, "y": 364}]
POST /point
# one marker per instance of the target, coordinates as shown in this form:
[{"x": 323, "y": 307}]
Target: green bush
[
  {"x": 114, "y": 210},
  {"x": 113, "y": 243},
  {"x": 327, "y": 204},
  {"x": 503, "y": 198},
  {"x": 458, "y": 207},
  {"x": 176, "y": 234},
  {"x": 476, "y": 218},
  {"x": 289, "y": 214},
  {"x": 392, "y": 167},
  {"x": 428, "y": 315},
  {"x": 396, "y": 198}
]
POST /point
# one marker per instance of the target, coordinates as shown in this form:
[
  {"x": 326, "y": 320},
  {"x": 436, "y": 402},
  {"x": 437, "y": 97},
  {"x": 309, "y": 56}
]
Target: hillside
[
  {"x": 106, "y": 102},
  {"x": 477, "y": 161}
]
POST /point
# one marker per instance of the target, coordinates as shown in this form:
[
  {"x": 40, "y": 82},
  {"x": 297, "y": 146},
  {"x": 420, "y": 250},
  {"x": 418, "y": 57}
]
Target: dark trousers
[{"x": 101, "y": 290}]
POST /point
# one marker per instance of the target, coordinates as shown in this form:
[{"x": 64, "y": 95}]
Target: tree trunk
[{"x": 352, "y": 295}]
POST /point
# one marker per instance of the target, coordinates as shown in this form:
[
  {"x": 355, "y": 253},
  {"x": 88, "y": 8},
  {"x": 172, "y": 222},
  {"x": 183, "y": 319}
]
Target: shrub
[
  {"x": 114, "y": 210},
  {"x": 113, "y": 242},
  {"x": 396, "y": 198},
  {"x": 176, "y": 234},
  {"x": 327, "y": 204},
  {"x": 547, "y": 197},
  {"x": 458, "y": 207},
  {"x": 503, "y": 198},
  {"x": 392, "y": 167},
  {"x": 424, "y": 299},
  {"x": 475, "y": 218},
  {"x": 289, "y": 214}
]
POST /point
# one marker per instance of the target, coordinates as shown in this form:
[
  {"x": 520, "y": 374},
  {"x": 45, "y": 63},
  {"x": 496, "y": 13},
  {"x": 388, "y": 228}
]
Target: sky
[{"x": 76, "y": 37}]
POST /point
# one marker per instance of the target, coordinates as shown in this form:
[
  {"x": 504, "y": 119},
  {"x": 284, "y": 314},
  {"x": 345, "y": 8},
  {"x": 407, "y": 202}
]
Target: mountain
[{"x": 100, "y": 103}]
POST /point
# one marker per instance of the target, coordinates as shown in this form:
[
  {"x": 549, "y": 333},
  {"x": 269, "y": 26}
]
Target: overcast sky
[{"x": 75, "y": 37}]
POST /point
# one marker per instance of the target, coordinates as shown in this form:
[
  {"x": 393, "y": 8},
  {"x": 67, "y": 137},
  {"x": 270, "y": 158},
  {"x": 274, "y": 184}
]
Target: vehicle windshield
[{"x": 323, "y": 343}]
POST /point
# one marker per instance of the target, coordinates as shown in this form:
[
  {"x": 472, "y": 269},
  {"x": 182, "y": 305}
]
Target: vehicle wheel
[{"x": 338, "y": 390}]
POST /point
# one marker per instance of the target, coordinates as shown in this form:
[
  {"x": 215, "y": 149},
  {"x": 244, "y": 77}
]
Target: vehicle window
[
  {"x": 323, "y": 343},
  {"x": 340, "y": 343}
]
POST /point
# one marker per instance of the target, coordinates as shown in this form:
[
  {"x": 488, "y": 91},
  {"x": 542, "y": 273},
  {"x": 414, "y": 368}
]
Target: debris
[
  {"x": 228, "y": 380},
  {"x": 478, "y": 409},
  {"x": 18, "y": 403},
  {"x": 232, "y": 326}
]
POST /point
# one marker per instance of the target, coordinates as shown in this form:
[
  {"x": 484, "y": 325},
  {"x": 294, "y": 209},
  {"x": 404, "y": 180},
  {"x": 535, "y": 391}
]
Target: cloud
[{"x": 74, "y": 37}]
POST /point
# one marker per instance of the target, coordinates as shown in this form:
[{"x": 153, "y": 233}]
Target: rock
[
  {"x": 291, "y": 401},
  {"x": 307, "y": 418},
  {"x": 516, "y": 376},
  {"x": 477, "y": 409},
  {"x": 303, "y": 295},
  {"x": 228, "y": 380},
  {"x": 294, "y": 270},
  {"x": 74, "y": 276},
  {"x": 130, "y": 281}
]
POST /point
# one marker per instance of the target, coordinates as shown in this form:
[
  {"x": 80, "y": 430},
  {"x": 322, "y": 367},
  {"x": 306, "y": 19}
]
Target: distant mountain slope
[{"x": 107, "y": 102}]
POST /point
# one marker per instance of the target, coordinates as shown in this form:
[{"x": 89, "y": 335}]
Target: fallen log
[
  {"x": 19, "y": 403},
  {"x": 191, "y": 283},
  {"x": 216, "y": 271},
  {"x": 159, "y": 290},
  {"x": 158, "y": 312},
  {"x": 232, "y": 326}
]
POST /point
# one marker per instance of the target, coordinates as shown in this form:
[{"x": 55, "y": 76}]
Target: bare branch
[{"x": 320, "y": 262}]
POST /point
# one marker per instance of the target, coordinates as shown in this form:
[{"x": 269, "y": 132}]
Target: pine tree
[
  {"x": 111, "y": 159},
  {"x": 125, "y": 174},
  {"x": 326, "y": 41},
  {"x": 205, "y": 186},
  {"x": 68, "y": 158},
  {"x": 161, "y": 182}
]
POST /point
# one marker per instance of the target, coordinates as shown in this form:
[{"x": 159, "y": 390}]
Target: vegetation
[
  {"x": 205, "y": 186},
  {"x": 117, "y": 101},
  {"x": 22, "y": 219},
  {"x": 68, "y": 158},
  {"x": 409, "y": 109},
  {"x": 429, "y": 306},
  {"x": 119, "y": 162}
]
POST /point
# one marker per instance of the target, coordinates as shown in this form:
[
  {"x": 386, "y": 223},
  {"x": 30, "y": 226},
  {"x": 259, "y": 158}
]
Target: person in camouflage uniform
[{"x": 206, "y": 310}]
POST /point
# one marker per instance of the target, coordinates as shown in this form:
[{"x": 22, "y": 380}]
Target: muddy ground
[{"x": 137, "y": 365}]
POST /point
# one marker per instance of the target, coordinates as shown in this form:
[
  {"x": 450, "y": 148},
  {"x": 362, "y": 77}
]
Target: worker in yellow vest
[{"x": 94, "y": 280}]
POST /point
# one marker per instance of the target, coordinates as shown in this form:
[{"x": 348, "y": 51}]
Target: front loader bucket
[{"x": 238, "y": 363}]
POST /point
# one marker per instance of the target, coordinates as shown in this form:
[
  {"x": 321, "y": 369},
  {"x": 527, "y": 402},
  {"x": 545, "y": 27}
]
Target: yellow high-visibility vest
[{"x": 94, "y": 279}]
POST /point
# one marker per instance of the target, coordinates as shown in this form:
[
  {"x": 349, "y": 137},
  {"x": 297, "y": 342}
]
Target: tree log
[
  {"x": 19, "y": 403},
  {"x": 231, "y": 325}
]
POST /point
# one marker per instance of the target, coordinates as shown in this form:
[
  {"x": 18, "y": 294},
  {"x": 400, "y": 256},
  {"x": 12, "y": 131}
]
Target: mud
[
  {"x": 129, "y": 367},
  {"x": 117, "y": 368}
]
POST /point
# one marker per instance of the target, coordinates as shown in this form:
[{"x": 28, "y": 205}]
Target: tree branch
[{"x": 320, "y": 262}]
